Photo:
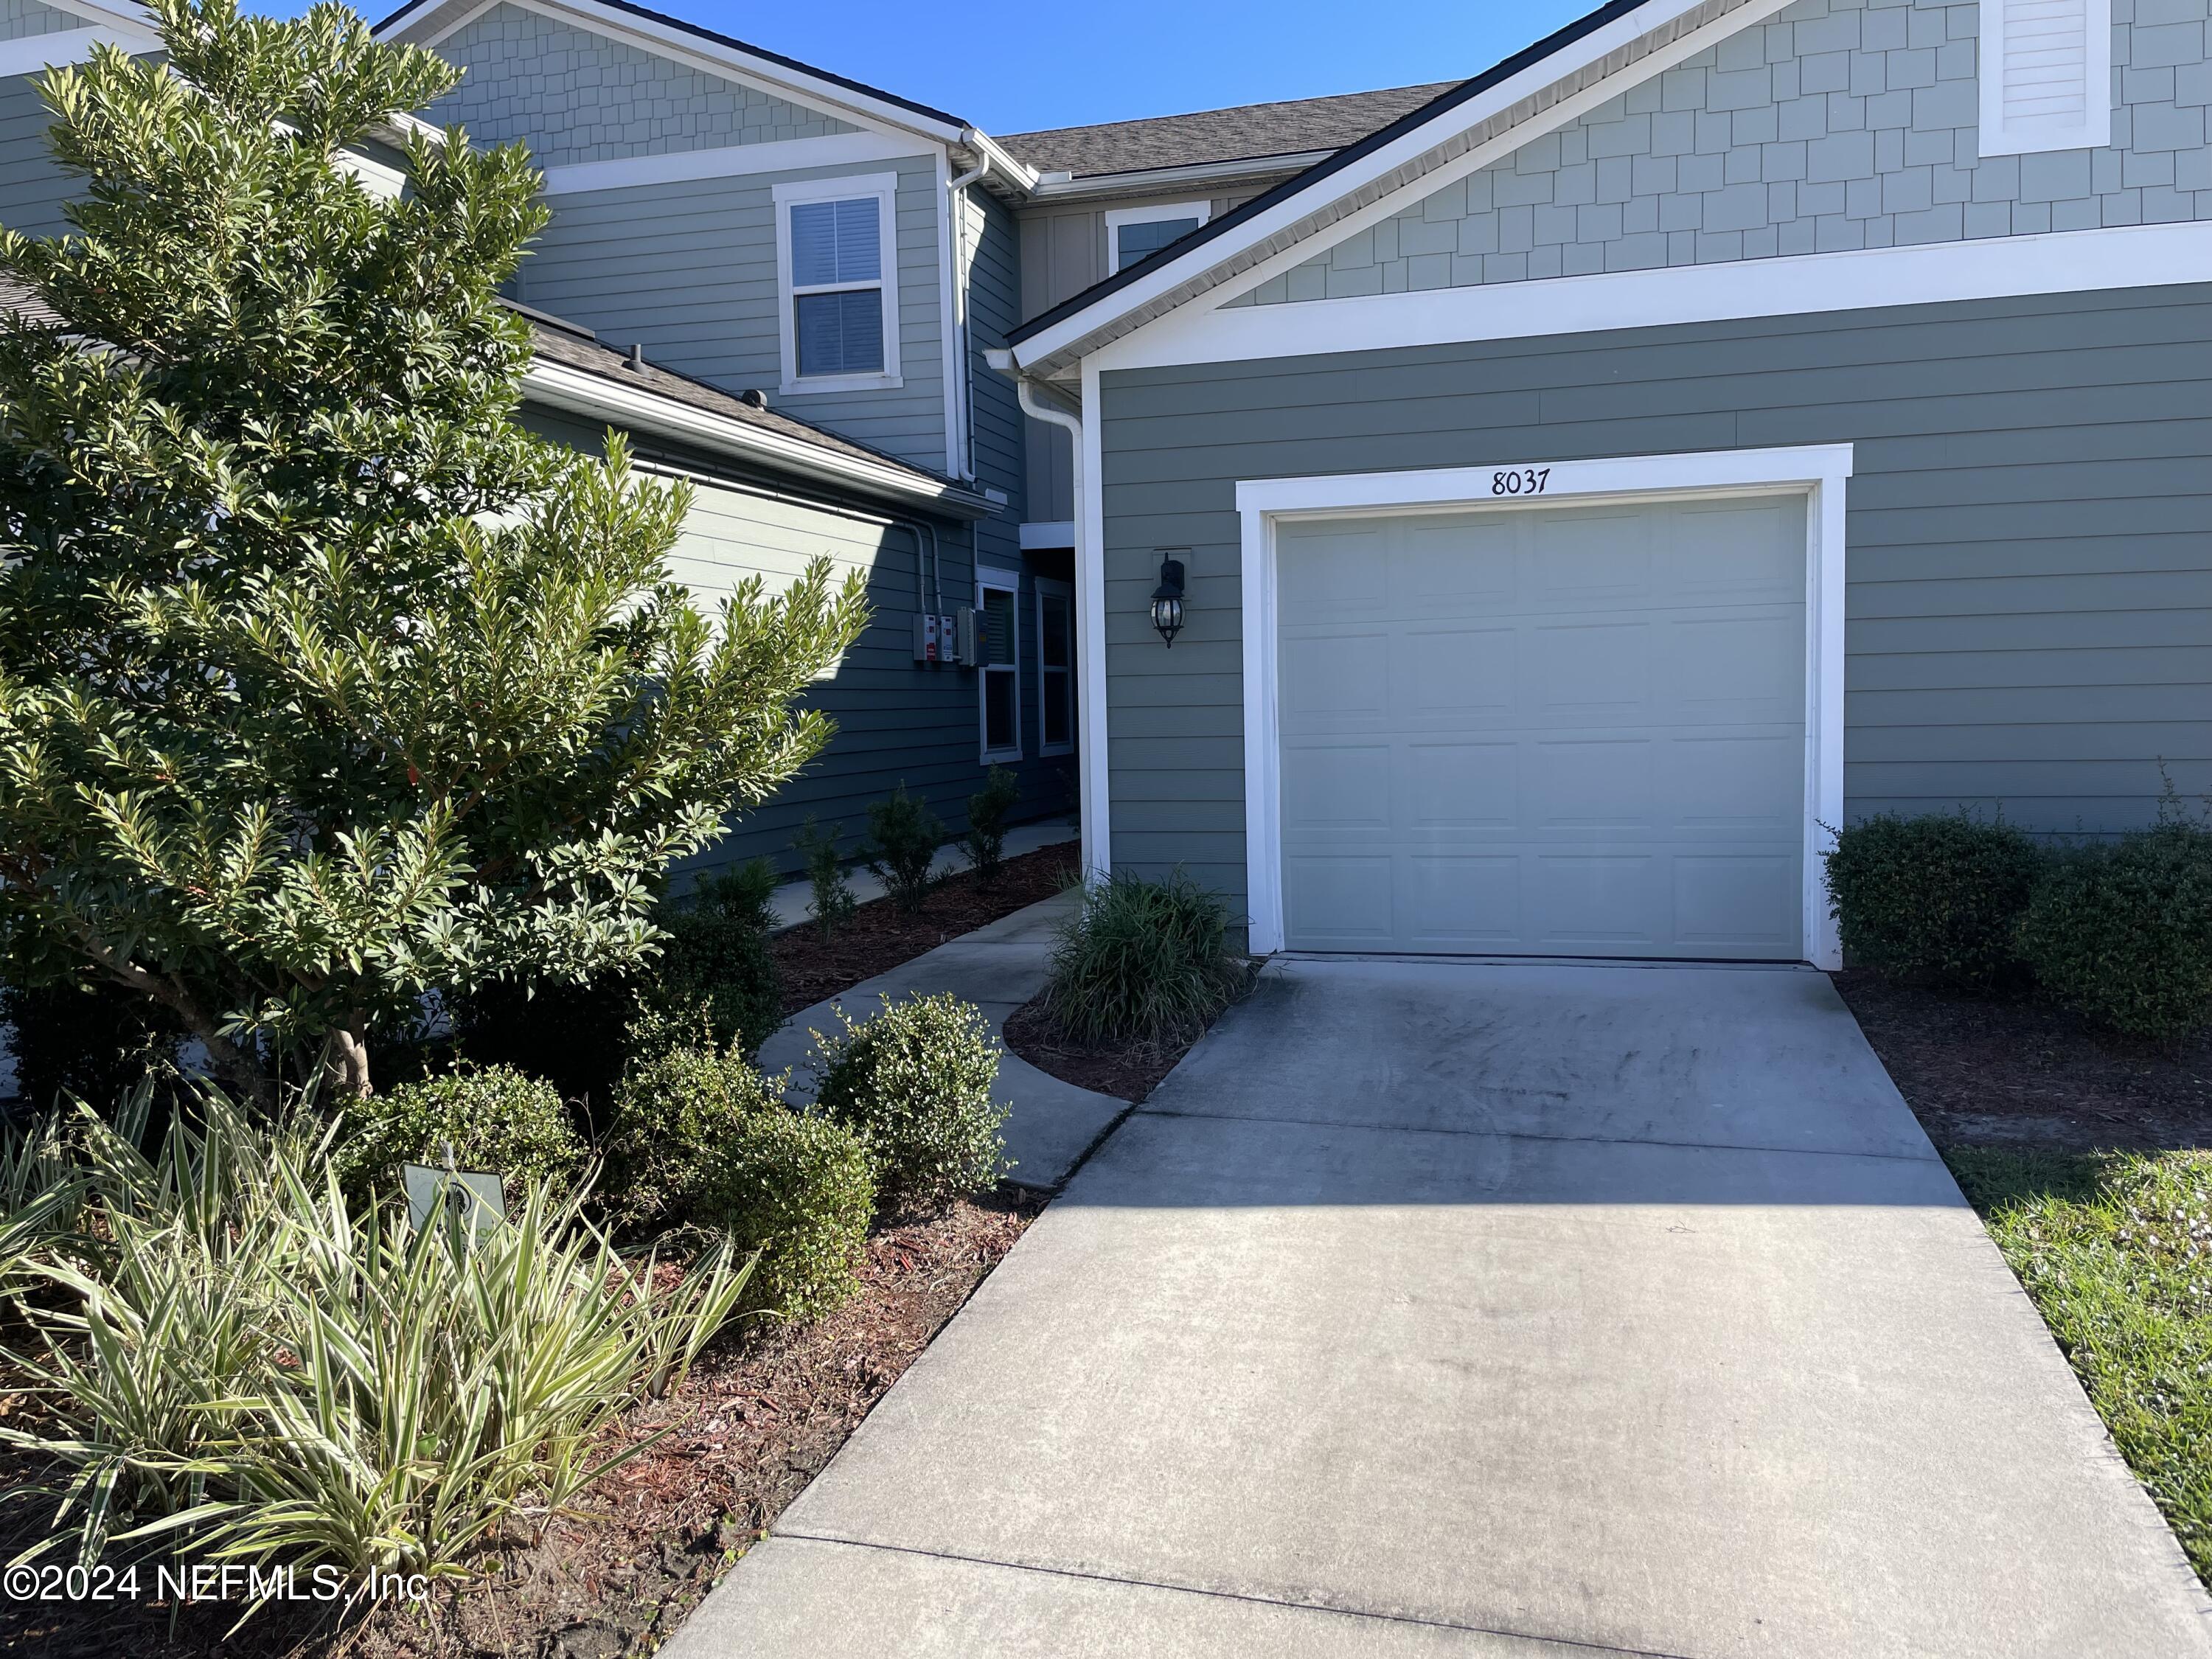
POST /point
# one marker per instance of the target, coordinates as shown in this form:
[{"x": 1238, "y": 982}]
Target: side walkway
[
  {"x": 1483, "y": 1310},
  {"x": 999, "y": 968}
]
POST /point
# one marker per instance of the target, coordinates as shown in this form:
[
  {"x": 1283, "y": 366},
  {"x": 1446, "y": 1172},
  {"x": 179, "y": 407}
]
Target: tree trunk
[
  {"x": 345, "y": 1065},
  {"x": 239, "y": 1070}
]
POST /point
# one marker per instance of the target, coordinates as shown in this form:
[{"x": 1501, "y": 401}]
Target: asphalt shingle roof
[{"x": 1219, "y": 135}]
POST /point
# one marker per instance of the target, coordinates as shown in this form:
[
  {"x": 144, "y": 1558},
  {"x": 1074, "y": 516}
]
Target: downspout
[
  {"x": 966, "y": 381},
  {"x": 1090, "y": 586}
]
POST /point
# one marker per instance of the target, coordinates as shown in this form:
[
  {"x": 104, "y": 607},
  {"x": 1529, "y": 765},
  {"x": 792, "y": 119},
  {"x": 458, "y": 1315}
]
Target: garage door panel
[
  {"x": 1552, "y": 730},
  {"x": 1586, "y": 901},
  {"x": 1739, "y": 784},
  {"x": 1578, "y": 556},
  {"x": 1734, "y": 902},
  {"x": 1591, "y": 783},
  {"x": 1462, "y": 786},
  {"x": 1335, "y": 679},
  {"x": 1738, "y": 668},
  {"x": 1590, "y": 671},
  {"x": 1338, "y": 786},
  {"x": 1340, "y": 902},
  {"x": 1463, "y": 902},
  {"x": 1461, "y": 674}
]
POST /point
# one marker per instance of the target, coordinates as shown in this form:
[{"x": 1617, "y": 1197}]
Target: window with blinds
[
  {"x": 835, "y": 236},
  {"x": 2046, "y": 75}
]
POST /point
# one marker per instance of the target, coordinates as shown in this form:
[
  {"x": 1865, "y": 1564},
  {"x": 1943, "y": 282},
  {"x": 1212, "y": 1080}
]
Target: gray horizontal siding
[
  {"x": 33, "y": 186},
  {"x": 897, "y": 722},
  {"x": 1840, "y": 124},
  {"x": 688, "y": 269},
  {"x": 2029, "y": 603}
]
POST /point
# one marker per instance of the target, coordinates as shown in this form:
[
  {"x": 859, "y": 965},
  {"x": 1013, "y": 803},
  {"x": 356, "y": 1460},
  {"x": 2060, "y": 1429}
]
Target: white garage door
[{"x": 1560, "y": 730}]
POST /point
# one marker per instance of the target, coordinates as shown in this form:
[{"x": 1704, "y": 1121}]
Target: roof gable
[{"x": 1536, "y": 89}]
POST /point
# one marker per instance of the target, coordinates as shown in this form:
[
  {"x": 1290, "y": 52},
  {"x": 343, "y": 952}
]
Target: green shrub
[
  {"x": 985, "y": 843},
  {"x": 834, "y": 899},
  {"x": 1934, "y": 900},
  {"x": 1143, "y": 960},
  {"x": 678, "y": 1107},
  {"x": 2121, "y": 932},
  {"x": 915, "y": 1082},
  {"x": 798, "y": 1188},
  {"x": 716, "y": 956},
  {"x": 903, "y": 836},
  {"x": 278, "y": 1380},
  {"x": 494, "y": 1118}
]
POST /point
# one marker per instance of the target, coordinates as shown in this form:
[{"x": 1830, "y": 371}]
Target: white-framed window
[
  {"x": 1133, "y": 234},
  {"x": 835, "y": 262},
  {"x": 999, "y": 657},
  {"x": 1056, "y": 634},
  {"x": 2046, "y": 75}
]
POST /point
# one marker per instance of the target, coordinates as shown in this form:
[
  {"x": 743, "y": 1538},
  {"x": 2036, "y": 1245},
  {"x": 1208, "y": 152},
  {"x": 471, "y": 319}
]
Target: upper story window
[
  {"x": 835, "y": 261},
  {"x": 2046, "y": 75},
  {"x": 1133, "y": 234}
]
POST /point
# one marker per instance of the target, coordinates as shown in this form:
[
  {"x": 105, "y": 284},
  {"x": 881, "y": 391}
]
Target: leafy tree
[{"x": 322, "y": 681}]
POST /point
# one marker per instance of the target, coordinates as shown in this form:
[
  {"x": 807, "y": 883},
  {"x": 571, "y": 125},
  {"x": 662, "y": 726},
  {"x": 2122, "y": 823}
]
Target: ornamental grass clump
[
  {"x": 914, "y": 1081},
  {"x": 1144, "y": 961},
  {"x": 225, "y": 1361}
]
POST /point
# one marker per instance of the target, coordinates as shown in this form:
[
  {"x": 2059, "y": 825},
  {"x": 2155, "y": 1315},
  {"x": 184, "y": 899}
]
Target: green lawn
[{"x": 2115, "y": 1249}]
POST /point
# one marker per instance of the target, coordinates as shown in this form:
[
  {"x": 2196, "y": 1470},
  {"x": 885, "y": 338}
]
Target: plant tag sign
[{"x": 475, "y": 1194}]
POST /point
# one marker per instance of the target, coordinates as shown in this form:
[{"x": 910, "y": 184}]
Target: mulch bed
[
  {"x": 1129, "y": 1071},
  {"x": 877, "y": 937},
  {"x": 758, "y": 1419},
  {"x": 2008, "y": 1070}
]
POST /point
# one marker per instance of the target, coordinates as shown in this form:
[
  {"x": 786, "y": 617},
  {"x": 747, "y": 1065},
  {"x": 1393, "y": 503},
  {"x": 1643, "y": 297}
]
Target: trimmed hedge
[
  {"x": 2121, "y": 932},
  {"x": 678, "y": 1108},
  {"x": 798, "y": 1188},
  {"x": 1934, "y": 900},
  {"x": 915, "y": 1082},
  {"x": 496, "y": 1117}
]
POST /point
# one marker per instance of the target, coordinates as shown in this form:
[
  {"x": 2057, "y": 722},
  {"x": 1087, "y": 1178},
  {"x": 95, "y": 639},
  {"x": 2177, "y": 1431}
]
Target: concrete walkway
[
  {"x": 999, "y": 968},
  {"x": 1456, "y": 1309}
]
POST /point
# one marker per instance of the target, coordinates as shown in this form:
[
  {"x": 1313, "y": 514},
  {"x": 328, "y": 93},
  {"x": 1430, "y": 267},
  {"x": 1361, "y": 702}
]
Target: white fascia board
[
  {"x": 36, "y": 54},
  {"x": 693, "y": 51},
  {"x": 1284, "y": 217},
  {"x": 1928, "y": 273},
  {"x": 559, "y": 387},
  {"x": 735, "y": 160}
]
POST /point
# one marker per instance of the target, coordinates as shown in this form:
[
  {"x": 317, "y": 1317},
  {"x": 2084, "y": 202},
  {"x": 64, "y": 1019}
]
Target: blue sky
[{"x": 1010, "y": 67}]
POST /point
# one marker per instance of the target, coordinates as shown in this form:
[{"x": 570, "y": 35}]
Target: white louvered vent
[{"x": 2046, "y": 68}]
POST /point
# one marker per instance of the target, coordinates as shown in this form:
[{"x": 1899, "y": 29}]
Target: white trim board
[
  {"x": 1047, "y": 535},
  {"x": 2002, "y": 267},
  {"x": 735, "y": 160},
  {"x": 1816, "y": 472}
]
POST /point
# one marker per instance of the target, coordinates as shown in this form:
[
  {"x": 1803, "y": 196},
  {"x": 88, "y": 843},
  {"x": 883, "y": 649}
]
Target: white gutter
[
  {"x": 954, "y": 194},
  {"x": 1145, "y": 181},
  {"x": 557, "y": 386},
  {"x": 1090, "y": 625}
]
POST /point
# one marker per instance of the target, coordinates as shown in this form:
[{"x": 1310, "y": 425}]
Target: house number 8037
[{"x": 1520, "y": 481}]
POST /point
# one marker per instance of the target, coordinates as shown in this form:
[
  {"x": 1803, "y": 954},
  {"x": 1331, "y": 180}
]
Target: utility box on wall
[{"x": 946, "y": 639}]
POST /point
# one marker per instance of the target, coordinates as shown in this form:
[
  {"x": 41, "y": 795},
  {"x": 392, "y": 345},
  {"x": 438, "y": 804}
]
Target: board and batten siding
[
  {"x": 2029, "y": 564},
  {"x": 687, "y": 269}
]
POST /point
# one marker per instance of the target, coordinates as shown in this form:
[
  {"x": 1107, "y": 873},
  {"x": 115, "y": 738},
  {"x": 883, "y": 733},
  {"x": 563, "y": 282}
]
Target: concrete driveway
[{"x": 1454, "y": 1308}]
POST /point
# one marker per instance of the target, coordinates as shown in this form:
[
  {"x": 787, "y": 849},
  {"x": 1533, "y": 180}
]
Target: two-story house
[{"x": 1567, "y": 490}]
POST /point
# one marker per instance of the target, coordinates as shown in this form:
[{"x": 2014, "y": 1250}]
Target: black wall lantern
[{"x": 1167, "y": 599}]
